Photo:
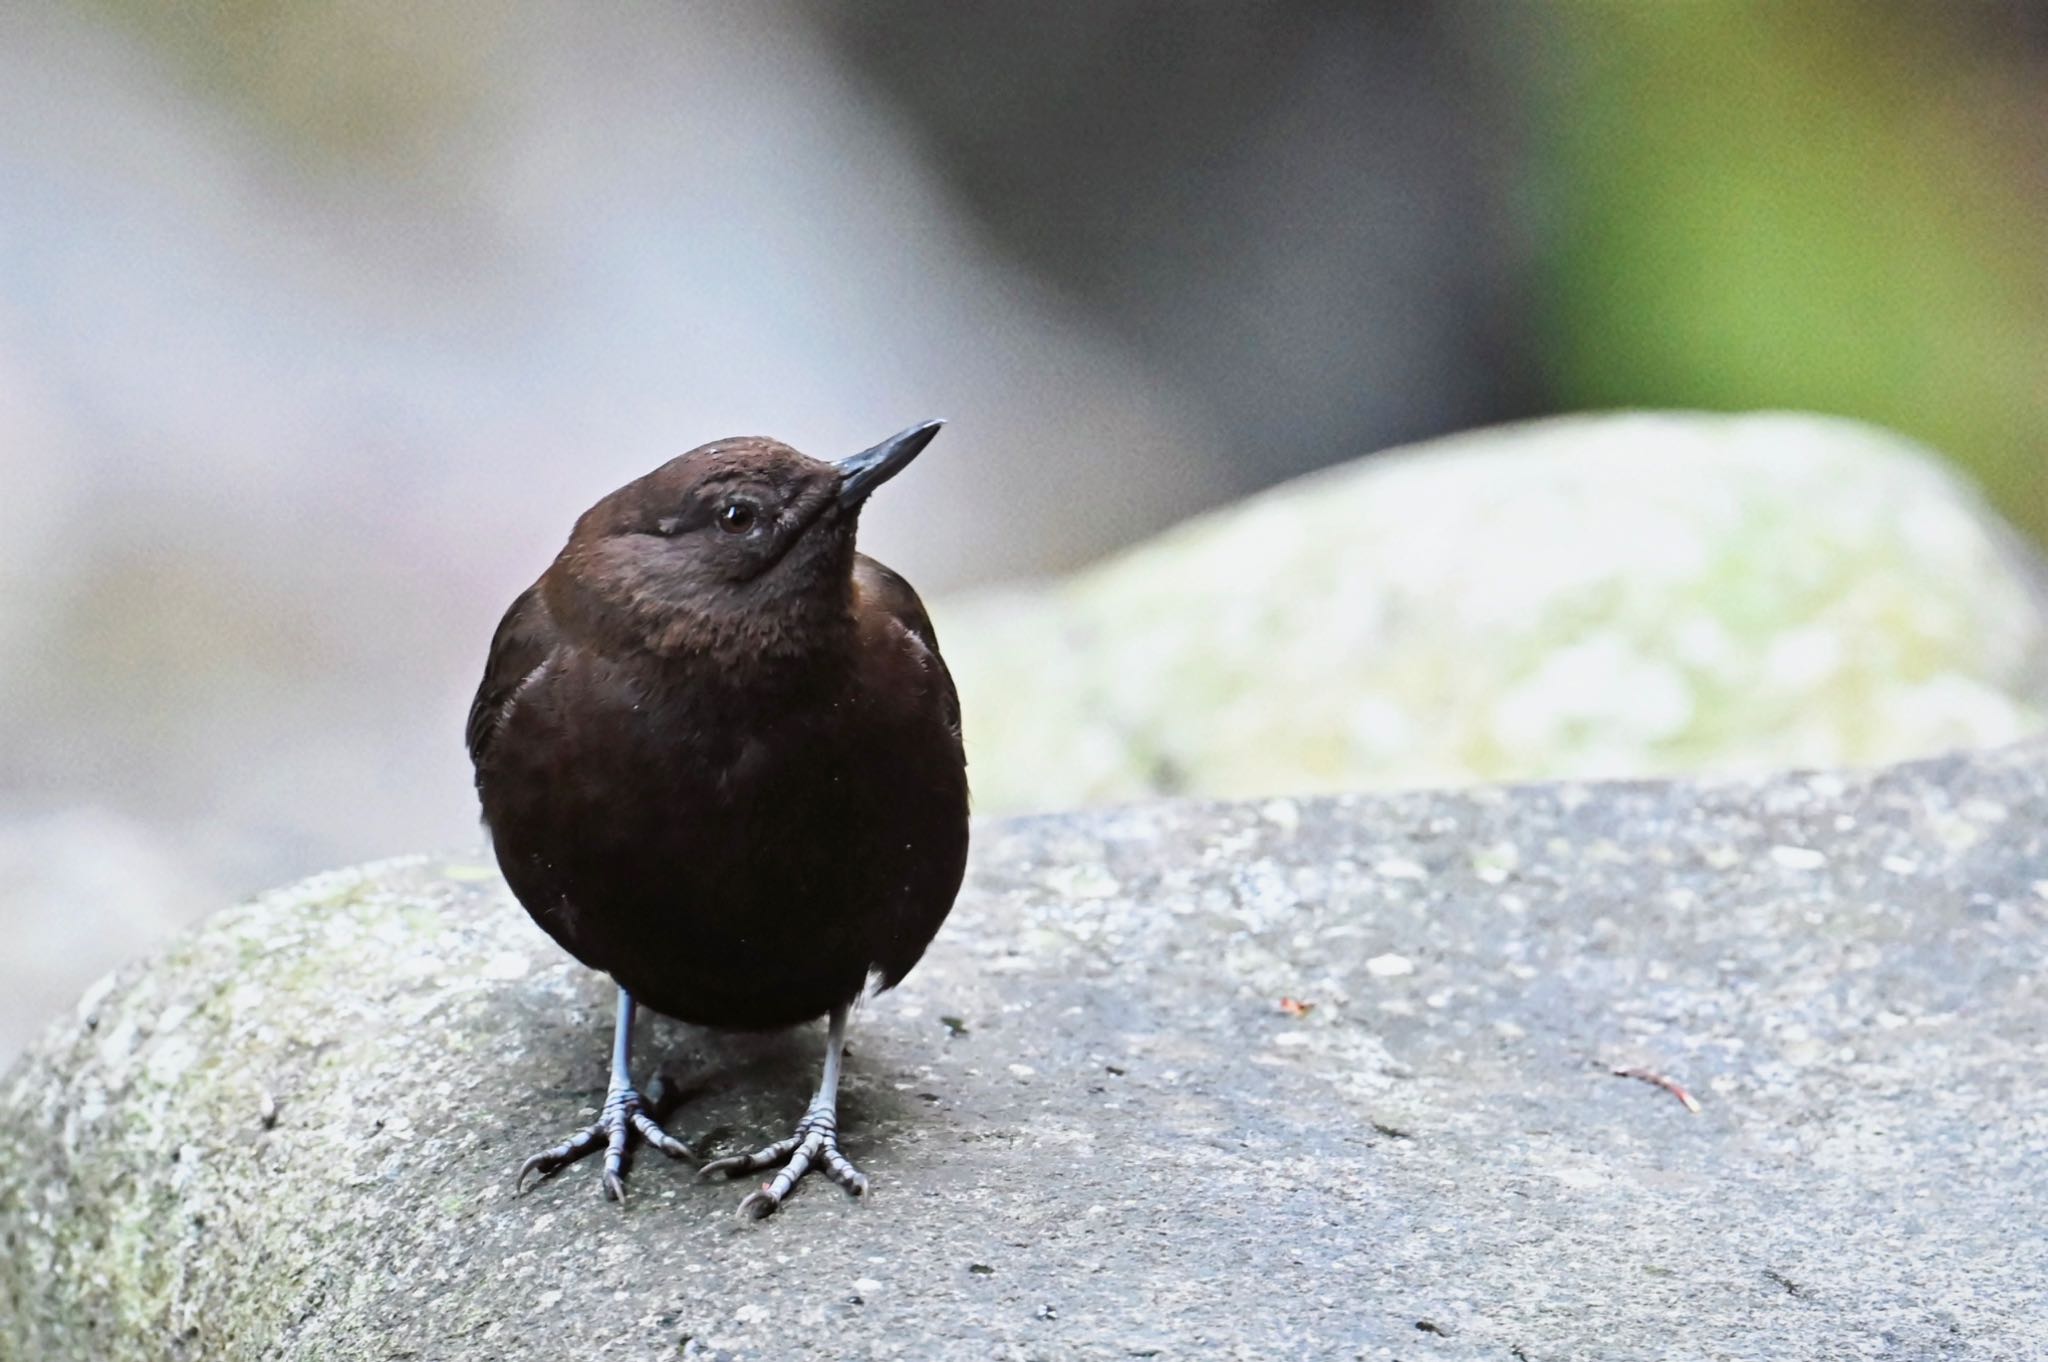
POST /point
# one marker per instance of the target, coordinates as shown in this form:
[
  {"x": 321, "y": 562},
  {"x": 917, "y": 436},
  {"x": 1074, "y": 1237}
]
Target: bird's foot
[
  {"x": 815, "y": 1144},
  {"x": 624, "y": 1114}
]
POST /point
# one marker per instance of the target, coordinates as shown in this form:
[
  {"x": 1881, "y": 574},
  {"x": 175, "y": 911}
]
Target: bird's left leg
[
  {"x": 624, "y": 1115},
  {"x": 815, "y": 1143}
]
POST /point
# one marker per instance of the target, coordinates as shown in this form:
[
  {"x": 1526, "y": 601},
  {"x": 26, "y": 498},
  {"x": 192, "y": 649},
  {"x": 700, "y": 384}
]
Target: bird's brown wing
[
  {"x": 881, "y": 587},
  {"x": 525, "y": 639}
]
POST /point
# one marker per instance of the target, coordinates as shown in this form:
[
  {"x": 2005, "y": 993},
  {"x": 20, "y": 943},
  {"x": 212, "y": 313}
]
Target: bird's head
[{"x": 739, "y": 546}]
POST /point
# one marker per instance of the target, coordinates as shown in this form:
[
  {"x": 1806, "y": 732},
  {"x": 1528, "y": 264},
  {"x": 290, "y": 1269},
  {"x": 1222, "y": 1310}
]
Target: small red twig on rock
[{"x": 1659, "y": 1080}]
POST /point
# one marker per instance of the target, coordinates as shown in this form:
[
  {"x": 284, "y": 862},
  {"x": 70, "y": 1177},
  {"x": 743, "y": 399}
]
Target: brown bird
[{"x": 719, "y": 757}]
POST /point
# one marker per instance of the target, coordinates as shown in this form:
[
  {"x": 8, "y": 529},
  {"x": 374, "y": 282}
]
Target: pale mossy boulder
[
  {"x": 1287, "y": 1079},
  {"x": 1630, "y": 594}
]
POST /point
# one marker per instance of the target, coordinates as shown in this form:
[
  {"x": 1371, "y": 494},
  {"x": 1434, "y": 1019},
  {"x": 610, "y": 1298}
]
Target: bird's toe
[
  {"x": 614, "y": 1132},
  {"x": 815, "y": 1145}
]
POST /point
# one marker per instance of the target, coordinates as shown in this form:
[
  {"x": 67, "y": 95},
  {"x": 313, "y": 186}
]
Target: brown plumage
[{"x": 719, "y": 756}]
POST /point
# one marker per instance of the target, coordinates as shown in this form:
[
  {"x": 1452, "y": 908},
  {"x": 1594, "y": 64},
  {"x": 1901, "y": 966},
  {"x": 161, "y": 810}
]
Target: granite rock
[
  {"x": 1316, "y": 1078},
  {"x": 1596, "y": 596}
]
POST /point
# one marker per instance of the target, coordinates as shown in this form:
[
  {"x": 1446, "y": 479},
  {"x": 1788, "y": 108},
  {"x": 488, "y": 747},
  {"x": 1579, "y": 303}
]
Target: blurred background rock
[
  {"x": 318, "y": 322},
  {"x": 1606, "y": 595}
]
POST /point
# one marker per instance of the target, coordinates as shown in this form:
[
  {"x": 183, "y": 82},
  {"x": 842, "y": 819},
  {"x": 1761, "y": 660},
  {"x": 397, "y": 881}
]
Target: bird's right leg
[
  {"x": 624, "y": 1113},
  {"x": 815, "y": 1143}
]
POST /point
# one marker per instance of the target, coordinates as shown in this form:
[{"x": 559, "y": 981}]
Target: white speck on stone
[
  {"x": 1291, "y": 1040},
  {"x": 1082, "y": 881},
  {"x": 1022, "y": 1071},
  {"x": 1377, "y": 724},
  {"x": 507, "y": 965},
  {"x": 1703, "y": 643},
  {"x": 1389, "y": 966},
  {"x": 1400, "y": 868},
  {"x": 751, "y": 1313},
  {"x": 247, "y": 999},
  {"x": 548, "y": 1300},
  {"x": 1494, "y": 864},
  {"x": 1905, "y": 865},
  {"x": 169, "y": 1061},
  {"x": 1803, "y": 659},
  {"x": 1798, "y": 858},
  {"x": 867, "y": 1286},
  {"x": 1604, "y": 681},
  {"x": 94, "y": 996},
  {"x": 1284, "y": 814},
  {"x": 118, "y": 1045},
  {"x": 1580, "y": 1177}
]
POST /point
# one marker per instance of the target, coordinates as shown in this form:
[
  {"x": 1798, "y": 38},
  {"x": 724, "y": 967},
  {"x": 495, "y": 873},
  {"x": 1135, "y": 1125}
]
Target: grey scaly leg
[
  {"x": 816, "y": 1141},
  {"x": 623, "y": 1114}
]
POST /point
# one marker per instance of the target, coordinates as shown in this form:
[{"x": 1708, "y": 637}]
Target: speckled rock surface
[
  {"x": 1601, "y": 596},
  {"x": 1094, "y": 1129}
]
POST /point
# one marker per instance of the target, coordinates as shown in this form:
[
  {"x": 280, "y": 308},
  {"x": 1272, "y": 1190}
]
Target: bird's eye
[{"x": 736, "y": 517}]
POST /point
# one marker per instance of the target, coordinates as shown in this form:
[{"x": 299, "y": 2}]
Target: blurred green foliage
[{"x": 1831, "y": 206}]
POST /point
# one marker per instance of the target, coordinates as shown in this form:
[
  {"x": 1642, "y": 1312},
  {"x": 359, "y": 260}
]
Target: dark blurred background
[{"x": 318, "y": 323}]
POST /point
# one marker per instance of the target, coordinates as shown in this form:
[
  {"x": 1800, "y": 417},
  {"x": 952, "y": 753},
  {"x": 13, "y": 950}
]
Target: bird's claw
[
  {"x": 815, "y": 1144},
  {"x": 624, "y": 1115}
]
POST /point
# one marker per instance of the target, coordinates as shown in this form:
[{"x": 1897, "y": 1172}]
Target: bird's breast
[{"x": 667, "y": 835}]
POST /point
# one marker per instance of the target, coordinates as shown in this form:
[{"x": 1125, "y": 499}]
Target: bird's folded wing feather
[
  {"x": 882, "y": 587},
  {"x": 525, "y": 639}
]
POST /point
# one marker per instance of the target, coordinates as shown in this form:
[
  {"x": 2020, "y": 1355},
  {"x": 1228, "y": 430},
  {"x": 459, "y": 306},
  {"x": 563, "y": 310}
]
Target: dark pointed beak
[{"x": 869, "y": 469}]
